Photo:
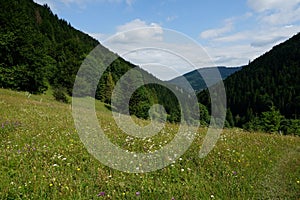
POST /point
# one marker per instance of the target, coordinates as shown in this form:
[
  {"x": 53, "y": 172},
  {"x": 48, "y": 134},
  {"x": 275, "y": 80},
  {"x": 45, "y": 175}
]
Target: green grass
[{"x": 42, "y": 157}]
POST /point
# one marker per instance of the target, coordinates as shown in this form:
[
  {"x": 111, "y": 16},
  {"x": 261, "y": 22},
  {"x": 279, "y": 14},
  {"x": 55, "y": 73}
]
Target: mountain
[
  {"x": 196, "y": 80},
  {"x": 272, "y": 79},
  {"x": 40, "y": 51}
]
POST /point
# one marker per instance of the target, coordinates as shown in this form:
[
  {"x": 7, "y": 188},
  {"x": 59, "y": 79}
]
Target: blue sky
[{"x": 231, "y": 32}]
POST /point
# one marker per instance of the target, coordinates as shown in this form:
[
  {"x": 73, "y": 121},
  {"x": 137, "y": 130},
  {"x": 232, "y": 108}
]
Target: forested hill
[
  {"x": 196, "y": 80},
  {"x": 37, "y": 48},
  {"x": 273, "y": 79}
]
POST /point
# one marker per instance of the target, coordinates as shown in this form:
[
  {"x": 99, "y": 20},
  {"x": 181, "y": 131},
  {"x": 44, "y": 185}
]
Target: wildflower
[
  {"x": 78, "y": 169},
  {"x": 50, "y": 184},
  {"x": 234, "y": 173},
  {"x": 55, "y": 165},
  {"x": 182, "y": 170},
  {"x": 101, "y": 194},
  {"x": 212, "y": 196},
  {"x": 137, "y": 193},
  {"x": 298, "y": 182},
  {"x": 173, "y": 198}
]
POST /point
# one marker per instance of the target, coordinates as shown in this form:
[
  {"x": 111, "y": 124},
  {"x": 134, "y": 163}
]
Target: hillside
[
  {"x": 273, "y": 79},
  {"x": 196, "y": 80},
  {"x": 39, "y": 51},
  {"x": 37, "y": 48},
  {"x": 42, "y": 157}
]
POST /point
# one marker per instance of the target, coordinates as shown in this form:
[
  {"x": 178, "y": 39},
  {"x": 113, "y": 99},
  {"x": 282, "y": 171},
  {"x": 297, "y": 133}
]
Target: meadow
[{"x": 42, "y": 157}]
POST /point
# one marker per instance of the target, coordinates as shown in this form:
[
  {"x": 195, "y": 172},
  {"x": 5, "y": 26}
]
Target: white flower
[{"x": 55, "y": 165}]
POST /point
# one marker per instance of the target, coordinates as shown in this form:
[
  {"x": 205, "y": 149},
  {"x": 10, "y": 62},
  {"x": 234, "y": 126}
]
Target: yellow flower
[
  {"x": 298, "y": 182},
  {"x": 50, "y": 184},
  {"x": 78, "y": 169}
]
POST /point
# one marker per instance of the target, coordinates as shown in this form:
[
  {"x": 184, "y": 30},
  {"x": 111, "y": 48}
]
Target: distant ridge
[{"x": 196, "y": 80}]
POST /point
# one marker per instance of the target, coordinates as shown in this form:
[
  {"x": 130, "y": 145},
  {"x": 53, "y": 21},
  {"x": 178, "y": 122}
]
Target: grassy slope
[{"x": 42, "y": 157}]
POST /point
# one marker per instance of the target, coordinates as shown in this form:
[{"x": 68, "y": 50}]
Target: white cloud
[
  {"x": 235, "y": 37},
  {"x": 137, "y": 23},
  {"x": 276, "y": 12},
  {"x": 239, "y": 48},
  {"x": 264, "y": 5},
  {"x": 150, "y": 46},
  {"x": 150, "y": 32},
  {"x": 282, "y": 17},
  {"x": 273, "y": 21},
  {"x": 213, "y": 33}
]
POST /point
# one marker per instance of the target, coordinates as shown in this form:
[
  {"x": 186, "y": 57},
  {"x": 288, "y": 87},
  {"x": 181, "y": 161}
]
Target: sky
[{"x": 172, "y": 37}]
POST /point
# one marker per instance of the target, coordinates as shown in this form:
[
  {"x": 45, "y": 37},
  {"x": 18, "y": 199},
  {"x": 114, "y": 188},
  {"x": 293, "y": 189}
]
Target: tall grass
[{"x": 42, "y": 157}]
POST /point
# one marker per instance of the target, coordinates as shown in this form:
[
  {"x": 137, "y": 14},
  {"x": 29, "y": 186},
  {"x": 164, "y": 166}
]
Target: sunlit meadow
[{"x": 42, "y": 157}]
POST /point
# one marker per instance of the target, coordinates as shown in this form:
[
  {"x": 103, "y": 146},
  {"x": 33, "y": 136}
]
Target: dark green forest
[
  {"x": 267, "y": 89},
  {"x": 38, "y": 49}
]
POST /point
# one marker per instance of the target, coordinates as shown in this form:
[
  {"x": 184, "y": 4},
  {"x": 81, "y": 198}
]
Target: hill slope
[
  {"x": 42, "y": 157},
  {"x": 196, "y": 80},
  {"x": 37, "y": 48},
  {"x": 271, "y": 79}
]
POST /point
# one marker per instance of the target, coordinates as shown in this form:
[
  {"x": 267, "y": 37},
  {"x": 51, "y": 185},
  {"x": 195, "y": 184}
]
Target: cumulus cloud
[
  {"x": 164, "y": 53},
  {"x": 275, "y": 21},
  {"x": 150, "y": 32},
  {"x": 239, "y": 48},
  {"x": 261, "y": 6},
  {"x": 276, "y": 12},
  {"x": 213, "y": 33}
]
